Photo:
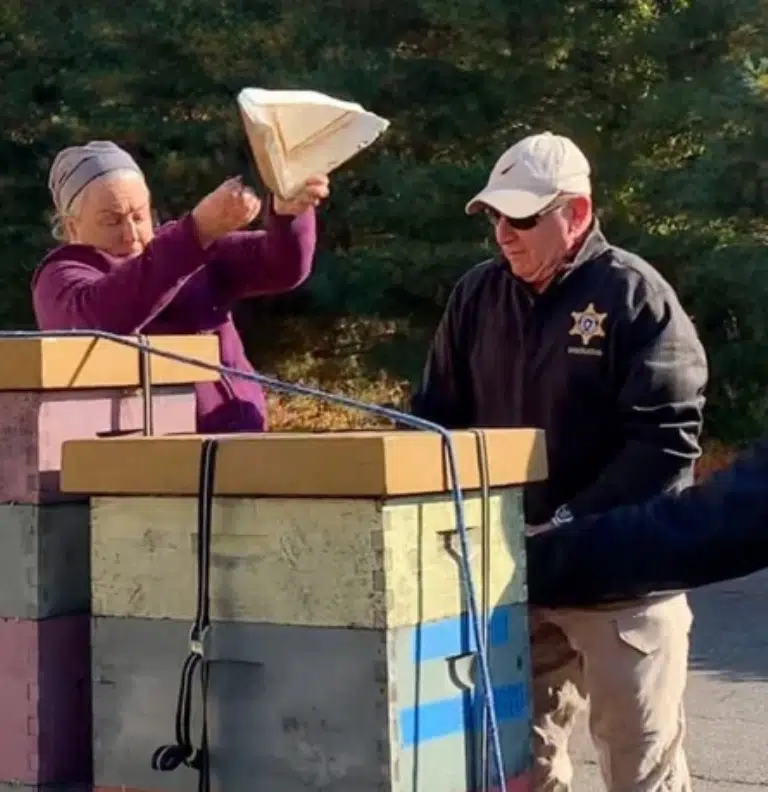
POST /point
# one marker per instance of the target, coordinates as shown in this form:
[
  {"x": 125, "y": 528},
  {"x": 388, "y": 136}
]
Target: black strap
[{"x": 169, "y": 757}]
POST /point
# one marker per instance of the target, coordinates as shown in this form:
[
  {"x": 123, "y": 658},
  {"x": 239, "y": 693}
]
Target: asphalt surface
[{"x": 727, "y": 696}]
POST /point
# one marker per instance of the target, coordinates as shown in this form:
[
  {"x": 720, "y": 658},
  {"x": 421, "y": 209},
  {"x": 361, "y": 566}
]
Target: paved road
[{"x": 727, "y": 693}]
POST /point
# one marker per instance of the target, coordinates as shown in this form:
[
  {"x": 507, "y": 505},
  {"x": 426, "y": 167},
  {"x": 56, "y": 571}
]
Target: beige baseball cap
[{"x": 528, "y": 176}]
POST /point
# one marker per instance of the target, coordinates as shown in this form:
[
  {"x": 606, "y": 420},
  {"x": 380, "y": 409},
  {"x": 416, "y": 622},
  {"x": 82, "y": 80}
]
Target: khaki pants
[{"x": 631, "y": 663}]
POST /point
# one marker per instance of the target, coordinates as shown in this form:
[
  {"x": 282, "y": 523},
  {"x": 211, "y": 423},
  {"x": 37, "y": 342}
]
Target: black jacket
[
  {"x": 711, "y": 532},
  {"x": 605, "y": 361}
]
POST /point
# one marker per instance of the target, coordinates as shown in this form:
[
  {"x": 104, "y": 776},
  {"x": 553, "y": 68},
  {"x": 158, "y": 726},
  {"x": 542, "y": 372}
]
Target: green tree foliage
[{"x": 667, "y": 97}]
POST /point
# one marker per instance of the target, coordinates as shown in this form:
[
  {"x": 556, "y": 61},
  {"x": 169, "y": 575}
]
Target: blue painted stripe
[
  {"x": 451, "y": 637},
  {"x": 451, "y": 716}
]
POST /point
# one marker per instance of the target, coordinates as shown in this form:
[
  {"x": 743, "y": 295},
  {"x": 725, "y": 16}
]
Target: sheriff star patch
[{"x": 588, "y": 324}]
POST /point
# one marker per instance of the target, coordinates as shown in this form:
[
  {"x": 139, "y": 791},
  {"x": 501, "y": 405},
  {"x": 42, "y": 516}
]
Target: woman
[{"x": 116, "y": 272}]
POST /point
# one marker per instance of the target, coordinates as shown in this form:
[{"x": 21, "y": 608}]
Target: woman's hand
[
  {"x": 229, "y": 207},
  {"x": 314, "y": 190}
]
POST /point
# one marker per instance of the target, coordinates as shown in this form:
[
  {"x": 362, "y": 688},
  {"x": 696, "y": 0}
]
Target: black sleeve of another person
[{"x": 714, "y": 531}]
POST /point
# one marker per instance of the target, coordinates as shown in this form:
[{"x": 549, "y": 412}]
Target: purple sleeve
[
  {"x": 69, "y": 294},
  {"x": 269, "y": 261}
]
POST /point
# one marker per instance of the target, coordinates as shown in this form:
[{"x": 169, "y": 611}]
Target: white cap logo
[{"x": 531, "y": 174}]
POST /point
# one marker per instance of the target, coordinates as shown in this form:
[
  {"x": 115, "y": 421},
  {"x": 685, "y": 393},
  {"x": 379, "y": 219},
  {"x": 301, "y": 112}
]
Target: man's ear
[{"x": 580, "y": 207}]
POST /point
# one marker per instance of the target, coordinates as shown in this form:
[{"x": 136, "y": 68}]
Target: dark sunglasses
[{"x": 523, "y": 223}]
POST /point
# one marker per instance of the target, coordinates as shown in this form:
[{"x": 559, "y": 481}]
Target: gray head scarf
[{"x": 76, "y": 167}]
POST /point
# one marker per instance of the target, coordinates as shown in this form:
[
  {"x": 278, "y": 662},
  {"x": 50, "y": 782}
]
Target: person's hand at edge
[{"x": 315, "y": 190}]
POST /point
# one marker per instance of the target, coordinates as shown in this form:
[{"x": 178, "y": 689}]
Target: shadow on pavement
[{"x": 730, "y": 632}]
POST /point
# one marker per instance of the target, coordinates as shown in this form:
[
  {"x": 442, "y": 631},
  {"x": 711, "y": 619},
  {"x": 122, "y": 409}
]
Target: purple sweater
[{"x": 177, "y": 287}]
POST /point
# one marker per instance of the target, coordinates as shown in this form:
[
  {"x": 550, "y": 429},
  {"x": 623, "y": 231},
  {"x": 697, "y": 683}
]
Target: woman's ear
[{"x": 69, "y": 227}]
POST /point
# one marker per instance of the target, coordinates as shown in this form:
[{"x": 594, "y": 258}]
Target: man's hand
[
  {"x": 562, "y": 516},
  {"x": 229, "y": 207},
  {"x": 532, "y": 530},
  {"x": 315, "y": 190}
]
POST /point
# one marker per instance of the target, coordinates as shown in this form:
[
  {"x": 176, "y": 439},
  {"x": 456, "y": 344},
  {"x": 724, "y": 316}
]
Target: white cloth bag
[{"x": 296, "y": 134}]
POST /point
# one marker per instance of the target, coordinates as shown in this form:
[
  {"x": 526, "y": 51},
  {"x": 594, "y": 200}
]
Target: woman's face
[{"x": 113, "y": 214}]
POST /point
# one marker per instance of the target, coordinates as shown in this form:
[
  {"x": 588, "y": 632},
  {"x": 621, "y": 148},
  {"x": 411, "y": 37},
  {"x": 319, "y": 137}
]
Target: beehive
[
  {"x": 341, "y": 652},
  {"x": 52, "y": 390}
]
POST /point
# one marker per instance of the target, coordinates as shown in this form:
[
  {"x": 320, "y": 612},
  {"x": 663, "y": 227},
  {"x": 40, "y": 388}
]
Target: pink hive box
[{"x": 52, "y": 390}]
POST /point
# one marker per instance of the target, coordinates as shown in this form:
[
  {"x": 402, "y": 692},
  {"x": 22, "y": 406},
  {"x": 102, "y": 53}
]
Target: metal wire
[
  {"x": 145, "y": 381},
  {"x": 485, "y": 589},
  {"x": 143, "y": 344}
]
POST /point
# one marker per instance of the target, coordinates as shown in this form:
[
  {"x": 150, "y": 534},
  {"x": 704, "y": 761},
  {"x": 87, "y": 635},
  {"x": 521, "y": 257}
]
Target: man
[
  {"x": 714, "y": 531},
  {"x": 565, "y": 332}
]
